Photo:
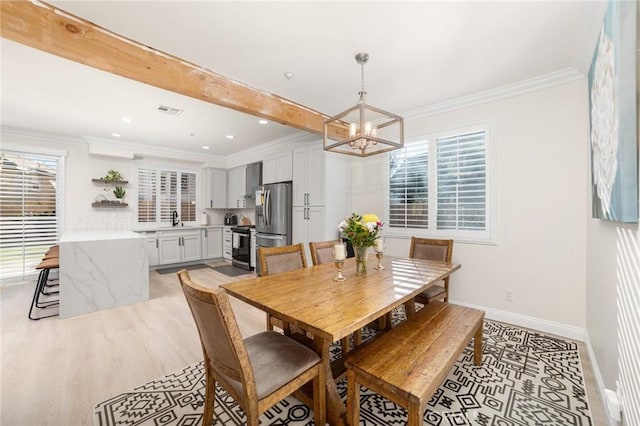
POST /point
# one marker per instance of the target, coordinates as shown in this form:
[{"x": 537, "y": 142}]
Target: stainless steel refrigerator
[{"x": 273, "y": 216}]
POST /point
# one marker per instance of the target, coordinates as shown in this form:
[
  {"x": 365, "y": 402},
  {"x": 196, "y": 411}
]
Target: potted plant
[
  {"x": 119, "y": 192},
  {"x": 113, "y": 176}
]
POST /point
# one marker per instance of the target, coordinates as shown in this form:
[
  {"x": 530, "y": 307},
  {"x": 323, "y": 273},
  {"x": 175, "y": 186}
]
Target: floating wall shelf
[
  {"x": 109, "y": 205},
  {"x": 109, "y": 182}
]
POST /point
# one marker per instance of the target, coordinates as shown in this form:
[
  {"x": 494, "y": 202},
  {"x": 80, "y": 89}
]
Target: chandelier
[{"x": 363, "y": 130}]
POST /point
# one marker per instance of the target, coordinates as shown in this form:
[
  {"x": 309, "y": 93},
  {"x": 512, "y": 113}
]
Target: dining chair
[
  {"x": 322, "y": 251},
  {"x": 257, "y": 372},
  {"x": 275, "y": 260},
  {"x": 432, "y": 249}
]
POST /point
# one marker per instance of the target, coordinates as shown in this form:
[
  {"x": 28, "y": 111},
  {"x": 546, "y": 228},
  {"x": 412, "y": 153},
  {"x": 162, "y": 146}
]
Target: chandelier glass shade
[{"x": 363, "y": 130}]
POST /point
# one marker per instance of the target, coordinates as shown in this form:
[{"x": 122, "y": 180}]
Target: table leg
[{"x": 336, "y": 410}]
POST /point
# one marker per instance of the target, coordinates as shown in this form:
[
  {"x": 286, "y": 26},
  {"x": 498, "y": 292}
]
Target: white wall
[
  {"x": 613, "y": 295},
  {"x": 78, "y": 190},
  {"x": 539, "y": 140}
]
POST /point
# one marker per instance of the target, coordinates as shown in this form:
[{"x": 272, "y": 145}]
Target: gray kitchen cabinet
[
  {"x": 236, "y": 187},
  {"x": 278, "y": 167},
  {"x": 179, "y": 246},
  {"x": 211, "y": 243},
  {"x": 215, "y": 188}
]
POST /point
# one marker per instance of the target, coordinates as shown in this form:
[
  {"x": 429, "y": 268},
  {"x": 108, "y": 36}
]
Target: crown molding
[
  {"x": 33, "y": 134},
  {"x": 555, "y": 78},
  {"x": 298, "y": 137}
]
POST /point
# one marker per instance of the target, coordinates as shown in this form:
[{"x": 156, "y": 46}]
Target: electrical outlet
[{"x": 508, "y": 294}]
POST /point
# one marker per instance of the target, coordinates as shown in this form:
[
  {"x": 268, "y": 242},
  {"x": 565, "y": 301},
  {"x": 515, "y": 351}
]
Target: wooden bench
[{"x": 408, "y": 363}]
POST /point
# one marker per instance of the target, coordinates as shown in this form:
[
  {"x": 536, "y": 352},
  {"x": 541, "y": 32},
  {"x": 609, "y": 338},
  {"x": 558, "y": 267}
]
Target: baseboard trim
[
  {"x": 562, "y": 330},
  {"x": 598, "y": 378}
]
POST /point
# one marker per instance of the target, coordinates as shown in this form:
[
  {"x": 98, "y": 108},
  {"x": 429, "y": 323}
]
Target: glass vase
[{"x": 361, "y": 260}]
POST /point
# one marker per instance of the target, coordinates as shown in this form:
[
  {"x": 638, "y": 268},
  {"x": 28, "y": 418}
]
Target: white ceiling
[{"x": 421, "y": 53}]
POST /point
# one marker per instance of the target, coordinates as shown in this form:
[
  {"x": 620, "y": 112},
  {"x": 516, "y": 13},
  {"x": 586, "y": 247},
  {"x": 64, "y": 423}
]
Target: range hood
[{"x": 254, "y": 179}]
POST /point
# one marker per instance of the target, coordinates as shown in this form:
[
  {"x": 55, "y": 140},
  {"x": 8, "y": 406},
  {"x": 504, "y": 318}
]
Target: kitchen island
[{"x": 101, "y": 270}]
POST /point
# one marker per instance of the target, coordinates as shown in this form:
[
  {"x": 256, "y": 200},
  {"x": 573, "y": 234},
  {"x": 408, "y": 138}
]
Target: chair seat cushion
[
  {"x": 276, "y": 360},
  {"x": 432, "y": 292}
]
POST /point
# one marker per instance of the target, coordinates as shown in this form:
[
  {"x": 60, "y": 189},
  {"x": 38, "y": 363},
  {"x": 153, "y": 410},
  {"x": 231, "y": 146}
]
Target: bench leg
[
  {"x": 353, "y": 399},
  {"x": 415, "y": 414},
  {"x": 477, "y": 345}
]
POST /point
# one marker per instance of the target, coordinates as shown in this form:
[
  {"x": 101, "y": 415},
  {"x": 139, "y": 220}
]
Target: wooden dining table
[{"x": 330, "y": 310}]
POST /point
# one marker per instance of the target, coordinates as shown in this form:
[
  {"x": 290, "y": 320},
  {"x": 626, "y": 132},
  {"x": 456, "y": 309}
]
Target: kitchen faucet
[{"x": 174, "y": 218}]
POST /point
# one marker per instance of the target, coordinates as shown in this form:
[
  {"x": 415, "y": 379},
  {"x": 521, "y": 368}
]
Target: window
[
  {"x": 438, "y": 183},
  {"x": 159, "y": 194},
  {"x": 28, "y": 211}
]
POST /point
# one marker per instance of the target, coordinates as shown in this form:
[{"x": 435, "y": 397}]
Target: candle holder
[
  {"x": 379, "y": 255},
  {"x": 339, "y": 264}
]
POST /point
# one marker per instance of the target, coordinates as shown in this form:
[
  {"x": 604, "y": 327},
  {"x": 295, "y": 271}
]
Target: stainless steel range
[{"x": 241, "y": 247}]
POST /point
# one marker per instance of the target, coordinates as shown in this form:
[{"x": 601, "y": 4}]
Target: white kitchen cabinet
[
  {"x": 152, "y": 251},
  {"x": 309, "y": 176},
  {"x": 278, "y": 168},
  {"x": 191, "y": 247},
  {"x": 152, "y": 246},
  {"x": 309, "y": 224},
  {"x": 211, "y": 243},
  {"x": 215, "y": 188},
  {"x": 237, "y": 187},
  {"x": 226, "y": 243},
  {"x": 316, "y": 173},
  {"x": 179, "y": 246}
]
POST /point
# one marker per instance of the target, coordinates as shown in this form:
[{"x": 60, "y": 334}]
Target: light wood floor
[{"x": 54, "y": 371}]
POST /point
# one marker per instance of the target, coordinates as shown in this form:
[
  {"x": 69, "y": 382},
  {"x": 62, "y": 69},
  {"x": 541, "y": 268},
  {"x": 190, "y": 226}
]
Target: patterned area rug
[{"x": 526, "y": 378}]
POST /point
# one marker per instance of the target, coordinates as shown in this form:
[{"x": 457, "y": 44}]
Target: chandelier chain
[{"x": 362, "y": 77}]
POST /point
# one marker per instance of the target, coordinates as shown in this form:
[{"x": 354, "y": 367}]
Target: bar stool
[
  {"x": 45, "y": 266},
  {"x": 52, "y": 253}
]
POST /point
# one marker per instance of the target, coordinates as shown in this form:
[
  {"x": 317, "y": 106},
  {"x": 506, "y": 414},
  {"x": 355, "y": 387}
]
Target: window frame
[
  {"x": 487, "y": 236},
  {"x": 159, "y": 168}
]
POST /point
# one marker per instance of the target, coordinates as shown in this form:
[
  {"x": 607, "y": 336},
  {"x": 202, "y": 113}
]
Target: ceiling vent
[{"x": 169, "y": 110}]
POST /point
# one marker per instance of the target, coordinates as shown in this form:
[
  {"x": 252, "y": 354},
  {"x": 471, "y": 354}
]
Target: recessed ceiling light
[
  {"x": 230, "y": 136},
  {"x": 126, "y": 120},
  {"x": 116, "y": 135},
  {"x": 206, "y": 147},
  {"x": 263, "y": 121},
  {"x": 288, "y": 75}
]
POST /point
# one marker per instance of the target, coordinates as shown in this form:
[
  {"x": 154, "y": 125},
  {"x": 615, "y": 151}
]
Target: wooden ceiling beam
[{"x": 44, "y": 27}]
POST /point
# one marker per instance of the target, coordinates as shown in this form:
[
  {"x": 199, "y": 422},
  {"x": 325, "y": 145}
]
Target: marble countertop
[{"x": 76, "y": 236}]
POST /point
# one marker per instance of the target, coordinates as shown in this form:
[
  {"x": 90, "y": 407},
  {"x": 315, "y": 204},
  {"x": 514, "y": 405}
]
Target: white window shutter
[
  {"x": 408, "y": 186},
  {"x": 147, "y": 195},
  {"x": 28, "y": 211},
  {"x": 461, "y": 182}
]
